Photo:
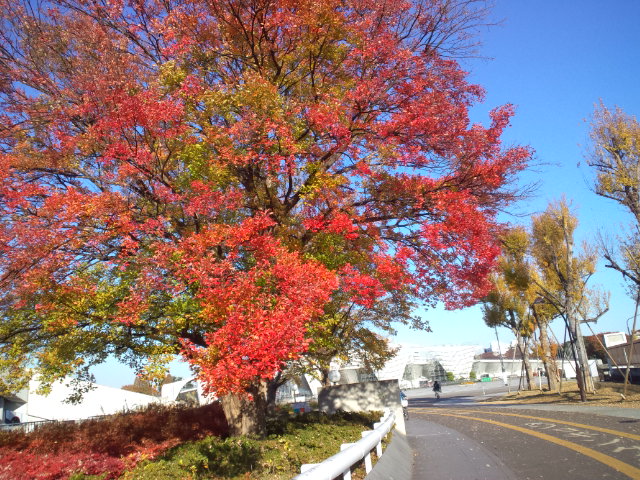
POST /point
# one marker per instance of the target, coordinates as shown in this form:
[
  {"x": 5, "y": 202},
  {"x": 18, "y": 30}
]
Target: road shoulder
[{"x": 396, "y": 461}]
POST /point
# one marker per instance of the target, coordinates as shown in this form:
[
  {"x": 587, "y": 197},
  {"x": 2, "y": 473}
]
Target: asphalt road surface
[{"x": 457, "y": 438}]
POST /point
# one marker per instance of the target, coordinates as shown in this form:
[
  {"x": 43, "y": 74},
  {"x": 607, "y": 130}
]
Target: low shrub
[
  {"x": 292, "y": 440},
  {"x": 106, "y": 446},
  {"x": 176, "y": 443},
  {"x": 28, "y": 466}
]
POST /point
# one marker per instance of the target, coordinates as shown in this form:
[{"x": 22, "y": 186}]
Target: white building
[
  {"x": 31, "y": 406},
  {"x": 188, "y": 390},
  {"x": 414, "y": 365},
  {"x": 513, "y": 367}
]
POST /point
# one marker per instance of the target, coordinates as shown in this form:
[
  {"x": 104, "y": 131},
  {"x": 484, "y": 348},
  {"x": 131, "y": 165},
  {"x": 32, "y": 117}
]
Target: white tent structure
[
  {"x": 414, "y": 364},
  {"x": 186, "y": 390},
  {"x": 97, "y": 400},
  {"x": 417, "y": 363}
]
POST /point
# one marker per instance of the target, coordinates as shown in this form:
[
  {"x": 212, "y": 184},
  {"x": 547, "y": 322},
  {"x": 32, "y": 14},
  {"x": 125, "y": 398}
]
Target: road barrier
[{"x": 351, "y": 453}]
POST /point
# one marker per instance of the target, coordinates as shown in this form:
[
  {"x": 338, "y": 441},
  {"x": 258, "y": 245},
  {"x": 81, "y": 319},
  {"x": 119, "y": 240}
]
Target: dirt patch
[{"x": 605, "y": 395}]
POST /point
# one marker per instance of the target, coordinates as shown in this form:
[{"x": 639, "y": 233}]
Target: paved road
[{"x": 457, "y": 438}]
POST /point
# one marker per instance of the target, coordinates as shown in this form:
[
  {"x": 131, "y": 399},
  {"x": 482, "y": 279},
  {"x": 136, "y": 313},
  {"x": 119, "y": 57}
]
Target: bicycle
[
  {"x": 437, "y": 389},
  {"x": 405, "y": 404}
]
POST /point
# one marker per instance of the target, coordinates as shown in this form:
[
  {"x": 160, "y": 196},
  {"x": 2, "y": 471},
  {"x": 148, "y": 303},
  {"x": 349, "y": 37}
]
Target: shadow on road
[{"x": 430, "y": 402}]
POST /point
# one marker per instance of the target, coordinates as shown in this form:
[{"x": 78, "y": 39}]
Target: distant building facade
[
  {"x": 493, "y": 364},
  {"x": 415, "y": 365},
  {"x": 619, "y": 347}
]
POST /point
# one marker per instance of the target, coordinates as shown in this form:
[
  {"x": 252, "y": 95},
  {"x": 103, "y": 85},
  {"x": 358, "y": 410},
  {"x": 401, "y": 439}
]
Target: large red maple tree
[{"x": 204, "y": 176}]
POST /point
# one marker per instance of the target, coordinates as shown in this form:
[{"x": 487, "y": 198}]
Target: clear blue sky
[{"x": 554, "y": 60}]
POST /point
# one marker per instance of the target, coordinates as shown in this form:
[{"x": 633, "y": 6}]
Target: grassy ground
[
  {"x": 293, "y": 441},
  {"x": 606, "y": 395}
]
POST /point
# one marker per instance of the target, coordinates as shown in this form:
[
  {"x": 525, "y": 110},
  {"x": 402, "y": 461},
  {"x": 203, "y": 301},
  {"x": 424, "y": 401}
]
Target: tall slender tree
[
  {"x": 615, "y": 157},
  {"x": 565, "y": 274},
  {"x": 508, "y": 303},
  {"x": 543, "y": 314}
]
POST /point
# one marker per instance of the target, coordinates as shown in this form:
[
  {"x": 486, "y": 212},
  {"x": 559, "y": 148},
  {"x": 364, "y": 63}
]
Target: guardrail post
[
  {"x": 347, "y": 474},
  {"x": 367, "y": 462},
  {"x": 340, "y": 464},
  {"x": 367, "y": 459}
]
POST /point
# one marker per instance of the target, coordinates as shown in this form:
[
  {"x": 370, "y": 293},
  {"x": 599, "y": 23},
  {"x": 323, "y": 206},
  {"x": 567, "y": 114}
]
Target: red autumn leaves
[{"x": 213, "y": 172}]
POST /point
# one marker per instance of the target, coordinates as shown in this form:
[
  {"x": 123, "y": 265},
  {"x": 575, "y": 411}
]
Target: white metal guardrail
[
  {"x": 28, "y": 427},
  {"x": 340, "y": 464}
]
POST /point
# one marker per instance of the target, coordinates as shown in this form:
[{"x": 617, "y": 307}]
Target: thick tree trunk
[
  {"x": 272, "y": 389},
  {"x": 550, "y": 366},
  {"x": 324, "y": 377},
  {"x": 246, "y": 413},
  {"x": 584, "y": 360}
]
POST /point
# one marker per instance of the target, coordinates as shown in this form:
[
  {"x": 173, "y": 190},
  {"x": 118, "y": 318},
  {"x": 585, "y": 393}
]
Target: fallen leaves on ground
[{"x": 606, "y": 395}]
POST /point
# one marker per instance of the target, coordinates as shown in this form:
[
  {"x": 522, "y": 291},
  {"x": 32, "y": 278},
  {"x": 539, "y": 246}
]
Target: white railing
[
  {"x": 28, "y": 427},
  {"x": 351, "y": 453}
]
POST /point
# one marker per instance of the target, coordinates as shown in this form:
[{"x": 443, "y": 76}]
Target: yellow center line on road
[
  {"x": 625, "y": 468},
  {"x": 550, "y": 420}
]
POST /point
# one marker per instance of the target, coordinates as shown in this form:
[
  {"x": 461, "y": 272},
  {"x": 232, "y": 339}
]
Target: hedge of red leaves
[{"x": 110, "y": 445}]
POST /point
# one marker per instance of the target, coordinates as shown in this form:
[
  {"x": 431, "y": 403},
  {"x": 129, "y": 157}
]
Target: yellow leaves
[
  {"x": 544, "y": 265},
  {"x": 197, "y": 159},
  {"x": 155, "y": 368},
  {"x": 259, "y": 94},
  {"x": 563, "y": 270},
  {"x": 56, "y": 362},
  {"x": 251, "y": 92},
  {"x": 515, "y": 242},
  {"x": 171, "y": 76},
  {"x": 630, "y": 252},
  {"x": 552, "y": 233},
  {"x": 321, "y": 181},
  {"x": 615, "y": 155}
]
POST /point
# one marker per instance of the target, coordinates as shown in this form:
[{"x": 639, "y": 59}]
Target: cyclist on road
[
  {"x": 404, "y": 401},
  {"x": 437, "y": 388}
]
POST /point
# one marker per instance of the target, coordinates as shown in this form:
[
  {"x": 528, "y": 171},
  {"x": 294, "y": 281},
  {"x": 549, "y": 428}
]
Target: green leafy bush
[{"x": 292, "y": 440}]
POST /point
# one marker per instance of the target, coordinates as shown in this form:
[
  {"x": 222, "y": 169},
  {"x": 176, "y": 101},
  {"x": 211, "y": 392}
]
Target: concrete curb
[{"x": 396, "y": 462}]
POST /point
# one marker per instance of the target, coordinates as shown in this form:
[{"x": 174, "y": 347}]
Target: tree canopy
[
  {"x": 221, "y": 179},
  {"x": 615, "y": 157}
]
